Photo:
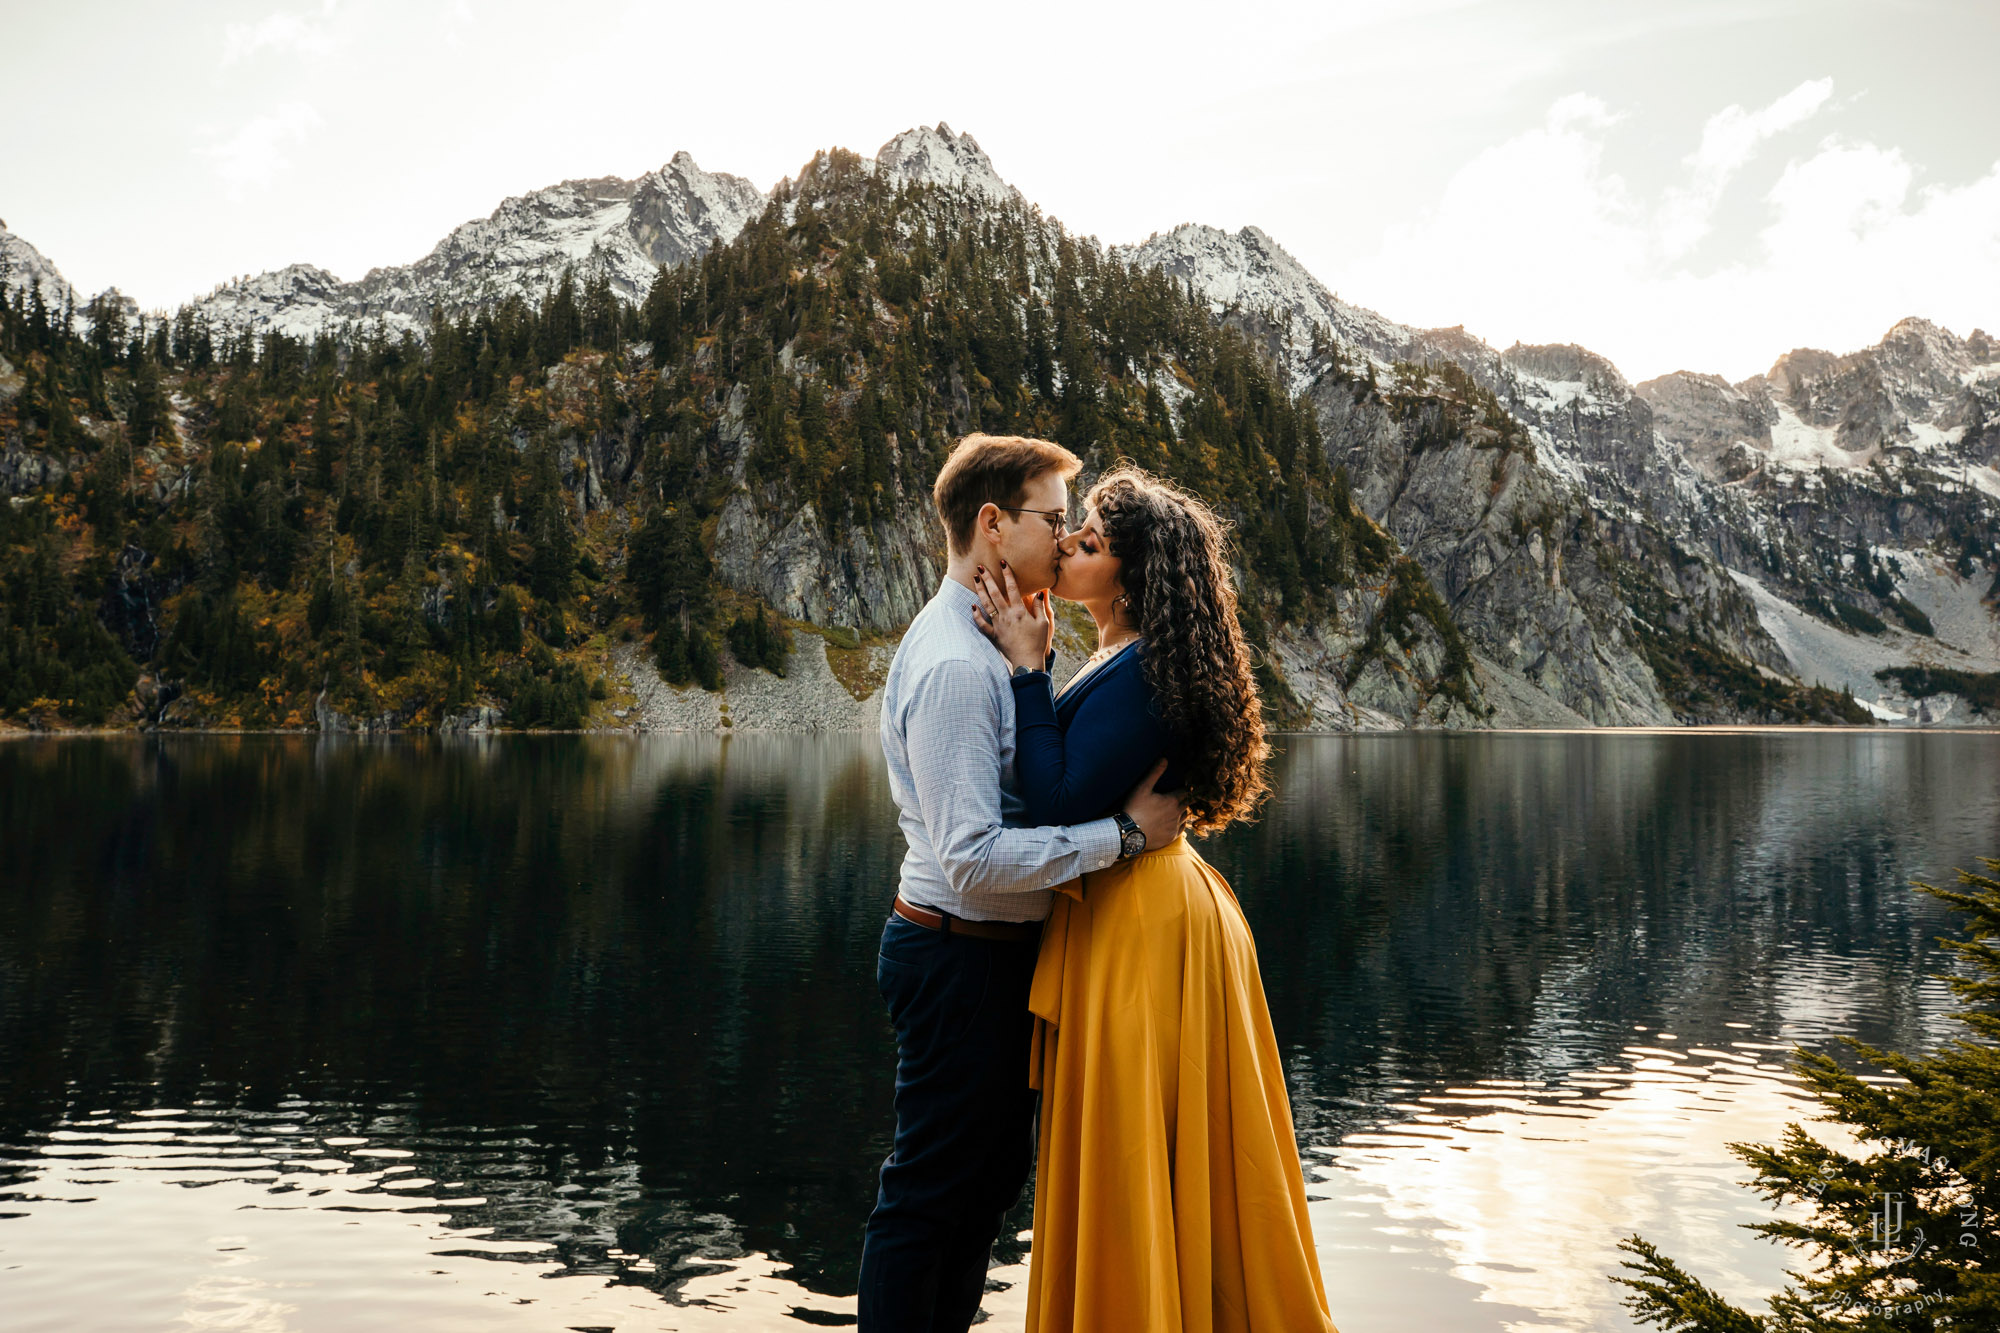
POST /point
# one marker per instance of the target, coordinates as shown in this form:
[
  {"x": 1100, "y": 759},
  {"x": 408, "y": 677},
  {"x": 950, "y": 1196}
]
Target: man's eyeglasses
[{"x": 1055, "y": 518}]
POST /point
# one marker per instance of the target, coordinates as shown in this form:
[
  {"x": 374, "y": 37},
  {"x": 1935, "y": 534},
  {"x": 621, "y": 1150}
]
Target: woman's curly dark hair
[{"x": 1178, "y": 592}]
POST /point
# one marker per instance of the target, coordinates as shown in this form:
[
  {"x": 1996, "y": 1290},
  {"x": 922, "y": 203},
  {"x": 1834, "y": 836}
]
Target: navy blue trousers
[{"x": 965, "y": 1125}]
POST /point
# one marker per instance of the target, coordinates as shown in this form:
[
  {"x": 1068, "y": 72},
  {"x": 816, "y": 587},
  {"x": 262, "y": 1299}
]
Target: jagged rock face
[
  {"x": 622, "y": 229},
  {"x": 1506, "y": 545},
  {"x": 1718, "y": 426},
  {"x": 1651, "y": 507},
  {"x": 874, "y": 577},
  {"x": 1566, "y": 363},
  {"x": 936, "y": 156},
  {"x": 1578, "y": 403},
  {"x": 1254, "y": 277},
  {"x": 299, "y": 301},
  {"x": 24, "y": 471},
  {"x": 1921, "y": 395},
  {"x": 1337, "y": 690}
]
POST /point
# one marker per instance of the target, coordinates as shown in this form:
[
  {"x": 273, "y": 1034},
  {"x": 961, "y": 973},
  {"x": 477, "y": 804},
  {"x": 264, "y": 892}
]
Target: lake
[{"x": 582, "y": 1032}]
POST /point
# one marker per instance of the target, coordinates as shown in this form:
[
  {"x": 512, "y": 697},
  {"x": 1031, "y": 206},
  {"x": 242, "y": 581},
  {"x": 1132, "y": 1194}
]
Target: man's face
[{"x": 1027, "y": 541}]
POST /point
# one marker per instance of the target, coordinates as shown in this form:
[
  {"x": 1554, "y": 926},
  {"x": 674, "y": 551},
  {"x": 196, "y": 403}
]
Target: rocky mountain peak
[
  {"x": 1566, "y": 363},
  {"x": 26, "y": 266},
  {"x": 934, "y": 155},
  {"x": 1790, "y": 372},
  {"x": 1249, "y": 272},
  {"x": 298, "y": 300},
  {"x": 1721, "y": 428}
]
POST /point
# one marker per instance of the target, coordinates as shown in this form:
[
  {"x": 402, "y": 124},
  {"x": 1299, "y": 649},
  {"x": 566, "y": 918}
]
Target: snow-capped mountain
[
  {"x": 936, "y": 156},
  {"x": 1921, "y": 396},
  {"x": 1254, "y": 277},
  {"x": 622, "y": 229},
  {"x": 299, "y": 301}
]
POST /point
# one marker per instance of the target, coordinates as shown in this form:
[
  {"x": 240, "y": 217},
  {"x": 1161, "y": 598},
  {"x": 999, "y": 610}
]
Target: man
[{"x": 958, "y": 950}]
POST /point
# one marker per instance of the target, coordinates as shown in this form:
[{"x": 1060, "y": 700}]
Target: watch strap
[{"x": 1131, "y": 838}]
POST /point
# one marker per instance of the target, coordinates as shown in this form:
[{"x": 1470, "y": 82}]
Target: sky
[{"x": 1676, "y": 185}]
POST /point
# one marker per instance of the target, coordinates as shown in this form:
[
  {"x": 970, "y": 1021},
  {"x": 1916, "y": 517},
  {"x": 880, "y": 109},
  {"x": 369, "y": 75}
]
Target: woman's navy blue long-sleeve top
[{"x": 1077, "y": 758}]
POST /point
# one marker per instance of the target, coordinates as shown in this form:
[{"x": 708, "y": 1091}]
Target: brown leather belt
[{"x": 1014, "y": 932}]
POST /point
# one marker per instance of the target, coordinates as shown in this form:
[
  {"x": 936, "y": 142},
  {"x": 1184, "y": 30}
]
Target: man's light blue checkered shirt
[{"x": 948, "y": 734}]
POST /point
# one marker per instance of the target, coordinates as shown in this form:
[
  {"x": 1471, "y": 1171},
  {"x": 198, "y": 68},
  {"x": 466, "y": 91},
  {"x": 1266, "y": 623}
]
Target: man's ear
[{"x": 986, "y": 523}]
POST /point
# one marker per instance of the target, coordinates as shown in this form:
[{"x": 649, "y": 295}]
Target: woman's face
[{"x": 1088, "y": 572}]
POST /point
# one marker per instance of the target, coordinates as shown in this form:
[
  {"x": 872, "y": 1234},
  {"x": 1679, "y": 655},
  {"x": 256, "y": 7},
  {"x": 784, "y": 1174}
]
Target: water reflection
[{"x": 590, "y": 1023}]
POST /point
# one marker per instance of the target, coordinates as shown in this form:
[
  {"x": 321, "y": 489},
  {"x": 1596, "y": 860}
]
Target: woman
[{"x": 1168, "y": 1192}]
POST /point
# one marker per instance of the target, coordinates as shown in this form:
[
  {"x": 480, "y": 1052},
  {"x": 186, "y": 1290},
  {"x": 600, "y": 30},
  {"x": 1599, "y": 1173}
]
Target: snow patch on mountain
[
  {"x": 1985, "y": 478},
  {"x": 1801, "y": 445}
]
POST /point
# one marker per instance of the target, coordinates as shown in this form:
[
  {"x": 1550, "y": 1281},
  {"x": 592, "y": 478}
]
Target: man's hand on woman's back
[{"x": 1158, "y": 814}]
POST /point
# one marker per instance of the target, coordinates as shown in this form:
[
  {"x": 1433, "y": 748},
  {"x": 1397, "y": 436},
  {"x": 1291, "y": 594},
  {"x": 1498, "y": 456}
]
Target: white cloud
[
  {"x": 1729, "y": 140},
  {"x": 255, "y": 153},
  {"x": 279, "y": 32},
  {"x": 1537, "y": 239}
]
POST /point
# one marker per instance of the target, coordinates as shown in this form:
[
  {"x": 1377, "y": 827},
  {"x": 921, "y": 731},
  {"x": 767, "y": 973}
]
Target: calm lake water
[{"x": 564, "y": 1032}]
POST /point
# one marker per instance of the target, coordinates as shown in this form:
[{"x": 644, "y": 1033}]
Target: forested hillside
[{"x": 216, "y": 530}]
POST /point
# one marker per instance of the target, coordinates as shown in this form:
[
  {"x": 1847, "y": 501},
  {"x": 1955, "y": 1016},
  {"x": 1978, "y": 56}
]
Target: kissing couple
[{"x": 1072, "y": 986}]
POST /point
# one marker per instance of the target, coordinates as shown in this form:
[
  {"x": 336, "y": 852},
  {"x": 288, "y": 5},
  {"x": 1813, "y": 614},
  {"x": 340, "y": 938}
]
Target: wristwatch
[
  {"x": 1026, "y": 670},
  {"x": 1131, "y": 838}
]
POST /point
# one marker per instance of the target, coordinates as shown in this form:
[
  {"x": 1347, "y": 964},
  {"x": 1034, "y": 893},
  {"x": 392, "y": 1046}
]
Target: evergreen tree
[
  {"x": 756, "y": 639},
  {"x": 545, "y": 518},
  {"x": 1906, "y": 1238}
]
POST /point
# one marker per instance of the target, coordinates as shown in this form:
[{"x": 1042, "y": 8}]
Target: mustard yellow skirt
[{"x": 1168, "y": 1193}]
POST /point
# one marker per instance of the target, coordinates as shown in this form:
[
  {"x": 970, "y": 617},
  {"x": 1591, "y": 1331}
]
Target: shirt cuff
[{"x": 1097, "y": 843}]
